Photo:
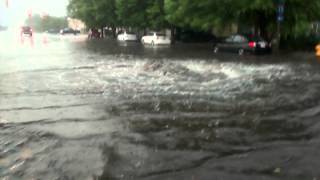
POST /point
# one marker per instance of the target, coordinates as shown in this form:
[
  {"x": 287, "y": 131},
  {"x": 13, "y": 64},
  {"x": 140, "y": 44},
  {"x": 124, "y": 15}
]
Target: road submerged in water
[{"x": 72, "y": 109}]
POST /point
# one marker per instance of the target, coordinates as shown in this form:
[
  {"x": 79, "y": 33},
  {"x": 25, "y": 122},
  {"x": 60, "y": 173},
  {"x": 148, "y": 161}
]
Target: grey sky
[{"x": 18, "y": 9}]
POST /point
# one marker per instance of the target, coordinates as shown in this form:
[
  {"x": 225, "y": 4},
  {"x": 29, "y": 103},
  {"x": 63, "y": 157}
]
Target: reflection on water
[{"x": 75, "y": 109}]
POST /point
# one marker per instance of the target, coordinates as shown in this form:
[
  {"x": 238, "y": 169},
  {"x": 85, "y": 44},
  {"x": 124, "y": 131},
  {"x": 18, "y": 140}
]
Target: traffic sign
[
  {"x": 280, "y": 12},
  {"x": 281, "y": 9}
]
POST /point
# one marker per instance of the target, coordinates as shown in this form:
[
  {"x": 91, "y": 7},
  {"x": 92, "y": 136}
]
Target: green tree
[
  {"x": 200, "y": 15},
  {"x": 260, "y": 14},
  {"x": 50, "y": 22},
  {"x": 83, "y": 10},
  {"x": 132, "y": 13},
  {"x": 156, "y": 15},
  {"x": 122, "y": 13},
  {"x": 46, "y": 23},
  {"x": 95, "y": 13}
]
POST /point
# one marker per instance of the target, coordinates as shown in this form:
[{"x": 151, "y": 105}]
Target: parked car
[
  {"x": 241, "y": 43},
  {"x": 69, "y": 31},
  {"x": 127, "y": 36},
  {"x": 53, "y": 31},
  {"x": 155, "y": 38},
  {"x": 26, "y": 31}
]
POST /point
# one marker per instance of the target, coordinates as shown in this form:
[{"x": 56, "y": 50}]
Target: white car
[
  {"x": 126, "y": 36},
  {"x": 156, "y": 39}
]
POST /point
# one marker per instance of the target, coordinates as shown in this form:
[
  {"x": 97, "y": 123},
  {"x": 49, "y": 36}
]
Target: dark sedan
[
  {"x": 242, "y": 44},
  {"x": 69, "y": 31}
]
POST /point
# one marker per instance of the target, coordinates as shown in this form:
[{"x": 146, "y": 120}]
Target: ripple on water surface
[{"x": 90, "y": 115}]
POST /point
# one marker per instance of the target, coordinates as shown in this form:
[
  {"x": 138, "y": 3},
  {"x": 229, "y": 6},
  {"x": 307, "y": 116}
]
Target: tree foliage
[
  {"x": 46, "y": 23},
  {"x": 94, "y": 12},
  {"x": 132, "y": 13},
  {"x": 198, "y": 15},
  {"x": 156, "y": 15},
  {"x": 260, "y": 14}
]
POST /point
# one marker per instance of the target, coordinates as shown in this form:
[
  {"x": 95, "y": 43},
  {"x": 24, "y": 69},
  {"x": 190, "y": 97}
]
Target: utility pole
[{"x": 280, "y": 19}]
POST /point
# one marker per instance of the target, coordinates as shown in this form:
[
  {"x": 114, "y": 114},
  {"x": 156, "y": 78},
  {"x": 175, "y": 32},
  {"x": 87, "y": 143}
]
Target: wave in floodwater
[{"x": 91, "y": 115}]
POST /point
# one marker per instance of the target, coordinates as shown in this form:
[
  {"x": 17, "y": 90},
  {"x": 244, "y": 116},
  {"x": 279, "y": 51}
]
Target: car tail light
[{"x": 252, "y": 44}]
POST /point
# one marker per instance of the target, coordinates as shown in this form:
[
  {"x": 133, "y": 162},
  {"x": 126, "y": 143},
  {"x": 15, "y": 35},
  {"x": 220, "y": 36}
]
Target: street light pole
[
  {"x": 280, "y": 18},
  {"x": 278, "y": 35}
]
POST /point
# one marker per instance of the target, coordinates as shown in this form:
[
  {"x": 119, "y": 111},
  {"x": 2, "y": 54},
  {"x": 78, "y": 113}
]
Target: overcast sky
[{"x": 18, "y": 9}]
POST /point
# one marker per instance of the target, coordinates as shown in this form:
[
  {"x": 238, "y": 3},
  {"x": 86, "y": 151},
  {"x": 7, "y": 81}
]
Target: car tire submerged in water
[{"x": 240, "y": 52}]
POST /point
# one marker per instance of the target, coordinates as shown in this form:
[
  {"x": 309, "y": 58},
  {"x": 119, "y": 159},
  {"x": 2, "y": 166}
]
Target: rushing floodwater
[{"x": 73, "y": 110}]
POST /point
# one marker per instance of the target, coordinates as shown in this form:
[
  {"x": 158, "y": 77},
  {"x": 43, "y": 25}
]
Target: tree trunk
[
  {"x": 173, "y": 35},
  {"x": 261, "y": 24},
  {"x": 144, "y": 31},
  {"x": 263, "y": 27},
  {"x": 114, "y": 33},
  {"x": 102, "y": 32}
]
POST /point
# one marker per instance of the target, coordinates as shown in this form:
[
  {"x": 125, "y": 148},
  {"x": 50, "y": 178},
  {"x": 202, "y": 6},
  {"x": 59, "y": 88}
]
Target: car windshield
[{"x": 159, "y": 90}]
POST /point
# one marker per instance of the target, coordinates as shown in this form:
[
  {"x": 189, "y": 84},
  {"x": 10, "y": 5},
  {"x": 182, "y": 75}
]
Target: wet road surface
[{"x": 72, "y": 109}]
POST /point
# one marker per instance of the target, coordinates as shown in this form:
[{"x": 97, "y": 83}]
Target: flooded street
[{"x": 72, "y": 109}]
